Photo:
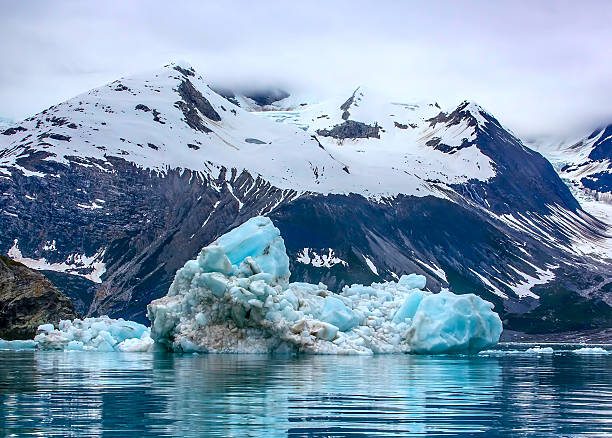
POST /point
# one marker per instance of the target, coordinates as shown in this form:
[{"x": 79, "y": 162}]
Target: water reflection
[{"x": 98, "y": 394}]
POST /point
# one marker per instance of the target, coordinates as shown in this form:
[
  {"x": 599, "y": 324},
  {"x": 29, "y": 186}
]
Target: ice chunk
[
  {"x": 260, "y": 239},
  {"x": 213, "y": 259},
  {"x": 325, "y": 331},
  {"x": 413, "y": 281},
  {"x": 539, "y": 350},
  {"x": 409, "y": 306},
  {"x": 101, "y": 334},
  {"x": 335, "y": 312},
  {"x": 17, "y": 344},
  {"x": 591, "y": 350},
  {"x": 448, "y": 323},
  {"x": 251, "y": 308},
  {"x": 236, "y": 298}
]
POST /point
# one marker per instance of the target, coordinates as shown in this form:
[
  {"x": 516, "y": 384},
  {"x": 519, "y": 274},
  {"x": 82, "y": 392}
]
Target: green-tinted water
[{"x": 114, "y": 394}]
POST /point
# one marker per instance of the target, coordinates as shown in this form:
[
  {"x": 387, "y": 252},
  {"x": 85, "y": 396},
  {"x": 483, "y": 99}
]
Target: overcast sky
[{"x": 541, "y": 67}]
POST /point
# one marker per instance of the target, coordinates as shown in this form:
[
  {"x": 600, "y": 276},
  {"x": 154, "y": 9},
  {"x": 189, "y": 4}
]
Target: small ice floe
[
  {"x": 94, "y": 334},
  {"x": 591, "y": 350}
]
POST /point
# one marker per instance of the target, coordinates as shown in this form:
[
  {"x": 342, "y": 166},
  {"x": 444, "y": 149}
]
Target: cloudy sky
[{"x": 543, "y": 68}]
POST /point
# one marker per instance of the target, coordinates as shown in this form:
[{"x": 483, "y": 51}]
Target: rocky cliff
[{"x": 27, "y": 300}]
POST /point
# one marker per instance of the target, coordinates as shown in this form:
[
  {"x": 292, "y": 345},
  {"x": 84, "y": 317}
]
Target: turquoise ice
[{"x": 235, "y": 297}]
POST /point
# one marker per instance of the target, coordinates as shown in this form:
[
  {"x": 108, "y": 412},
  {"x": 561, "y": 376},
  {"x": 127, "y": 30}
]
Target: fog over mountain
[{"x": 543, "y": 68}]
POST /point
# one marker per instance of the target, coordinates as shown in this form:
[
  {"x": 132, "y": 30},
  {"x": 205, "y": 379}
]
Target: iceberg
[
  {"x": 94, "y": 334},
  {"x": 591, "y": 350},
  {"x": 235, "y": 297},
  {"x": 28, "y": 344}
]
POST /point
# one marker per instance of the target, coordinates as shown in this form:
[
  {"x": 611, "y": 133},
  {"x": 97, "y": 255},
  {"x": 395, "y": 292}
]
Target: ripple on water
[{"x": 140, "y": 394}]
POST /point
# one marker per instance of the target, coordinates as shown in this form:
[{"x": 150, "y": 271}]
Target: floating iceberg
[
  {"x": 591, "y": 350},
  {"x": 236, "y": 298},
  {"x": 540, "y": 350},
  {"x": 97, "y": 334},
  {"x": 28, "y": 344}
]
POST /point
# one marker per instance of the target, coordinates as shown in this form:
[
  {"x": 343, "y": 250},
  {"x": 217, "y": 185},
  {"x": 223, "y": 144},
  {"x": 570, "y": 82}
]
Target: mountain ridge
[{"x": 123, "y": 184}]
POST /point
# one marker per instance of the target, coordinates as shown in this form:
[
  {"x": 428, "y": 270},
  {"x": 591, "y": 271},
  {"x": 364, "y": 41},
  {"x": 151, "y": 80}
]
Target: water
[{"x": 132, "y": 394}]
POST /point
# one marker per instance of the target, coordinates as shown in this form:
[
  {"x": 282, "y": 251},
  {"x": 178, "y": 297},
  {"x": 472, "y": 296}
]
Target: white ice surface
[{"x": 95, "y": 334}]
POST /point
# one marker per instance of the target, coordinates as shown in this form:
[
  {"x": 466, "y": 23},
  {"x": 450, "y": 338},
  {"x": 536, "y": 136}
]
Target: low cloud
[{"x": 542, "y": 68}]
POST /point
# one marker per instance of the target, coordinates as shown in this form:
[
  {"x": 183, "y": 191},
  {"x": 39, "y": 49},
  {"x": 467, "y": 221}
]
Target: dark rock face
[
  {"x": 602, "y": 148},
  {"x": 594, "y": 172},
  {"x": 524, "y": 180},
  {"x": 151, "y": 223},
  {"x": 187, "y": 72},
  {"x": 79, "y": 289},
  {"x": 351, "y": 129},
  {"x": 27, "y": 300},
  {"x": 13, "y": 131},
  {"x": 194, "y": 104},
  {"x": 347, "y": 105},
  {"x": 599, "y": 182},
  {"x": 254, "y": 141}
]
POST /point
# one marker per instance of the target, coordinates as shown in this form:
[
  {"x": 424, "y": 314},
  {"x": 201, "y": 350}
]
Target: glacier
[{"x": 235, "y": 297}]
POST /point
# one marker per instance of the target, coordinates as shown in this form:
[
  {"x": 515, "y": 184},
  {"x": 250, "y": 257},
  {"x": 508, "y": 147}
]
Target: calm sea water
[{"x": 145, "y": 395}]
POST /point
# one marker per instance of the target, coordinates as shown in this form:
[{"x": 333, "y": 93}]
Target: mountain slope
[{"x": 120, "y": 186}]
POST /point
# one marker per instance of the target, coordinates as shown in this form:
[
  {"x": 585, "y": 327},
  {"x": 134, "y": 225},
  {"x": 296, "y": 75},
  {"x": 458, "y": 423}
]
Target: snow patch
[
  {"x": 371, "y": 265},
  {"x": 308, "y": 256},
  {"x": 523, "y": 289},
  {"x": 90, "y": 267}
]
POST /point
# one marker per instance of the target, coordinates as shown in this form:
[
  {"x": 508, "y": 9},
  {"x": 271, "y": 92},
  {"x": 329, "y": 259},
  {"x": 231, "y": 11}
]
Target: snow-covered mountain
[{"x": 111, "y": 191}]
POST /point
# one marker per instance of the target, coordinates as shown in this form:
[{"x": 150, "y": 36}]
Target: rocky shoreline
[{"x": 27, "y": 300}]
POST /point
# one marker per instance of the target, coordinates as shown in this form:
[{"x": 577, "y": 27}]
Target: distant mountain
[
  {"x": 588, "y": 162},
  {"x": 585, "y": 165},
  {"x": 112, "y": 191}
]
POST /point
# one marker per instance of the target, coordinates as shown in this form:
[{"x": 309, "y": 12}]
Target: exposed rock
[
  {"x": 27, "y": 300},
  {"x": 12, "y": 131},
  {"x": 351, "y": 129},
  {"x": 185, "y": 71},
  {"x": 254, "y": 141},
  {"x": 54, "y": 136},
  {"x": 346, "y": 105},
  {"x": 142, "y": 107},
  {"x": 194, "y": 104}
]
